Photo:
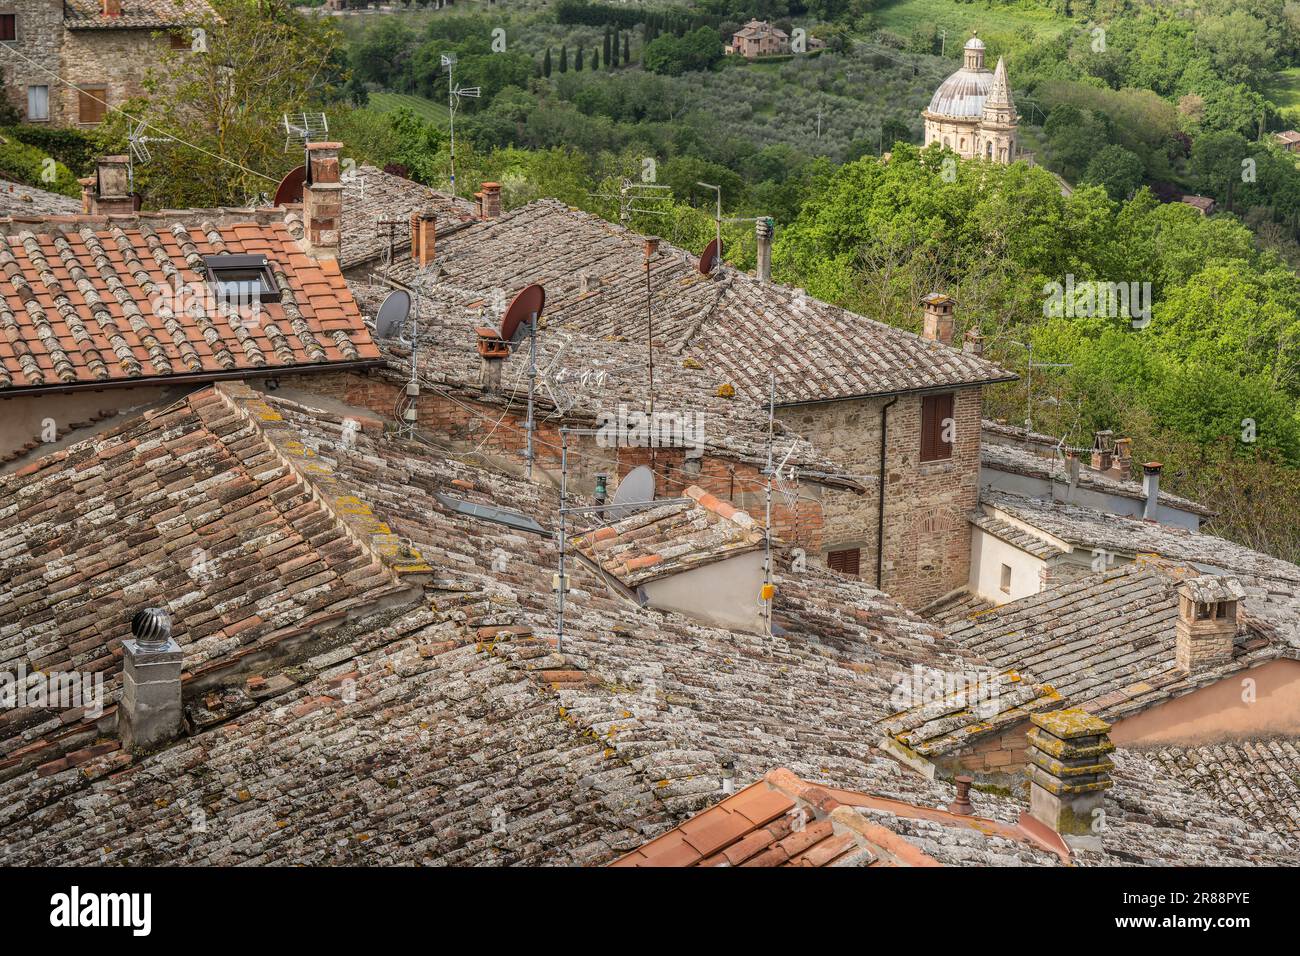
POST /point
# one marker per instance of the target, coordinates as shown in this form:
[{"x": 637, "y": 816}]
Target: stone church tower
[{"x": 972, "y": 112}]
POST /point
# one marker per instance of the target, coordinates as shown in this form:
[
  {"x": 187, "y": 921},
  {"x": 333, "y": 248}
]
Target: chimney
[
  {"x": 1068, "y": 769},
  {"x": 491, "y": 200},
  {"x": 492, "y": 351},
  {"x": 651, "y": 247},
  {"x": 1101, "y": 450},
  {"x": 1072, "y": 473},
  {"x": 322, "y": 201},
  {"x": 973, "y": 342},
  {"x": 149, "y": 712},
  {"x": 108, "y": 192},
  {"x": 961, "y": 804},
  {"x": 1151, "y": 488},
  {"x": 1122, "y": 465},
  {"x": 1207, "y": 622},
  {"x": 937, "y": 326},
  {"x": 763, "y": 229},
  {"x": 424, "y": 230},
  {"x": 112, "y": 8}
]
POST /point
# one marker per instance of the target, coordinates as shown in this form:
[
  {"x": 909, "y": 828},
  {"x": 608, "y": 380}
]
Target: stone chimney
[
  {"x": 973, "y": 342},
  {"x": 1207, "y": 622},
  {"x": 1068, "y": 769},
  {"x": 108, "y": 192},
  {"x": 322, "y": 201},
  {"x": 937, "y": 325},
  {"x": 764, "y": 229},
  {"x": 1102, "y": 449},
  {"x": 424, "y": 232},
  {"x": 1072, "y": 475},
  {"x": 1151, "y": 488},
  {"x": 112, "y": 8},
  {"x": 491, "y": 200},
  {"x": 149, "y": 712},
  {"x": 492, "y": 352},
  {"x": 1122, "y": 465}
]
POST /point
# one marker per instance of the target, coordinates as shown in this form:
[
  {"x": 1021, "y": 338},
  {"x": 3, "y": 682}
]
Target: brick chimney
[
  {"x": 423, "y": 235},
  {"x": 1122, "y": 464},
  {"x": 1102, "y": 449},
  {"x": 112, "y": 8},
  {"x": 973, "y": 342},
  {"x": 108, "y": 192},
  {"x": 322, "y": 201},
  {"x": 1207, "y": 622},
  {"x": 491, "y": 200},
  {"x": 764, "y": 228},
  {"x": 937, "y": 325},
  {"x": 1068, "y": 769},
  {"x": 1151, "y": 488},
  {"x": 149, "y": 712}
]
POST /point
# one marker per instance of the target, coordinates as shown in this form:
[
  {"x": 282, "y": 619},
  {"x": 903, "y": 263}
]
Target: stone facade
[
  {"x": 114, "y": 60},
  {"x": 972, "y": 112},
  {"x": 927, "y": 504}
]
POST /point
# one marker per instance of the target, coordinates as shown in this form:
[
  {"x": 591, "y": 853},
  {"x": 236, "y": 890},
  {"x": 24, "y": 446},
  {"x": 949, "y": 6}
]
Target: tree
[
  {"x": 607, "y": 43},
  {"x": 595, "y": 60},
  {"x": 627, "y": 55},
  {"x": 1115, "y": 169},
  {"x": 577, "y": 63},
  {"x": 1216, "y": 163},
  {"x": 564, "y": 59},
  {"x": 1238, "y": 45},
  {"x": 546, "y": 63},
  {"x": 894, "y": 131}
]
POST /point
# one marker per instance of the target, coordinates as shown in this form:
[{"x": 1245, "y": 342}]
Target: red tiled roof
[{"x": 83, "y": 306}]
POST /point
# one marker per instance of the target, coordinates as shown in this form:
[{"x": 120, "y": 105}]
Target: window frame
[
  {"x": 1004, "y": 583},
  {"x": 933, "y": 448},
  {"x": 38, "y": 119},
  {"x": 86, "y": 93},
  {"x": 14, "y": 16},
  {"x": 839, "y": 560},
  {"x": 251, "y": 267}
]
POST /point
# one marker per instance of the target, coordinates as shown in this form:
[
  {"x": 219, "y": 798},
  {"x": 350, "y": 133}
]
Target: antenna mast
[{"x": 454, "y": 93}]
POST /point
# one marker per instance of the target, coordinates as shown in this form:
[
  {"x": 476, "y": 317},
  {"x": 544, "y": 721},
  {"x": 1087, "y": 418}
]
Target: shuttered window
[
  {"x": 90, "y": 104},
  {"x": 936, "y": 415},
  {"x": 8, "y": 26},
  {"x": 845, "y": 562}
]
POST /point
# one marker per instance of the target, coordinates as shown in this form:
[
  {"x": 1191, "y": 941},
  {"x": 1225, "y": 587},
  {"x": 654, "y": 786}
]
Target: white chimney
[
  {"x": 149, "y": 712},
  {"x": 763, "y": 229},
  {"x": 1151, "y": 488}
]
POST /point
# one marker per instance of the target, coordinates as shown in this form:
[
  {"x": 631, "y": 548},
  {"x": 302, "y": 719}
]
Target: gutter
[
  {"x": 192, "y": 378},
  {"x": 880, "y": 510},
  {"x": 898, "y": 392}
]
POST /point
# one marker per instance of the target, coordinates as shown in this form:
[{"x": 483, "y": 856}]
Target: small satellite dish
[
  {"x": 290, "y": 188},
  {"x": 392, "y": 314},
  {"x": 711, "y": 256},
  {"x": 528, "y": 302},
  {"x": 637, "y": 488}
]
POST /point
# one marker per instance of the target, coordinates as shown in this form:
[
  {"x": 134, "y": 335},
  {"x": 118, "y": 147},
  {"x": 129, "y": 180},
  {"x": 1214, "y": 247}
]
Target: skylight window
[
  {"x": 511, "y": 519},
  {"x": 240, "y": 280}
]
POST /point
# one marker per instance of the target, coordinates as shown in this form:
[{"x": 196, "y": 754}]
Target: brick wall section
[
  {"x": 927, "y": 531},
  {"x": 467, "y": 424},
  {"x": 994, "y": 756}
]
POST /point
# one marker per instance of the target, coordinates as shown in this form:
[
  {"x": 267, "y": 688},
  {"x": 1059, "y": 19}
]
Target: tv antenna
[
  {"x": 139, "y": 149},
  {"x": 454, "y": 93},
  {"x": 630, "y": 194},
  {"x": 521, "y": 320},
  {"x": 304, "y": 128}
]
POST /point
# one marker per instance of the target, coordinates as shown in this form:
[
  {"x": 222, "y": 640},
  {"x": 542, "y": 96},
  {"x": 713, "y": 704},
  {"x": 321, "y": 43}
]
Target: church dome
[{"x": 962, "y": 94}]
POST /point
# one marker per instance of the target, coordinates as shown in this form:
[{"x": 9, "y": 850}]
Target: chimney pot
[
  {"x": 764, "y": 229},
  {"x": 1151, "y": 488},
  {"x": 149, "y": 712},
  {"x": 1101, "y": 450},
  {"x": 491, "y": 200},
  {"x": 937, "y": 323},
  {"x": 112, "y": 8},
  {"x": 973, "y": 342},
  {"x": 424, "y": 233},
  {"x": 109, "y": 189},
  {"x": 961, "y": 804},
  {"x": 651, "y": 247},
  {"x": 1072, "y": 473},
  {"x": 1122, "y": 463},
  {"x": 322, "y": 201}
]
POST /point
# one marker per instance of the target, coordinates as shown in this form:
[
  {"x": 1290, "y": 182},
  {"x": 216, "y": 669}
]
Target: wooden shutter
[
  {"x": 935, "y": 409},
  {"x": 845, "y": 562},
  {"x": 90, "y": 104},
  {"x": 8, "y": 26}
]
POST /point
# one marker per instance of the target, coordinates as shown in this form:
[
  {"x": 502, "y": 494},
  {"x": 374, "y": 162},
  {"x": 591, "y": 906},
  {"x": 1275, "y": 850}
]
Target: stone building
[
  {"x": 759, "y": 38},
  {"x": 101, "y": 48},
  {"x": 972, "y": 112}
]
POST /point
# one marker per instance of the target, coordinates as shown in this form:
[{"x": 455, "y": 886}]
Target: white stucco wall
[
  {"x": 724, "y": 593},
  {"x": 988, "y": 554}
]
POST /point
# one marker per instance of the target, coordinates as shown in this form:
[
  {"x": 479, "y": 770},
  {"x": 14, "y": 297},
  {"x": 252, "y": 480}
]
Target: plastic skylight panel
[{"x": 511, "y": 519}]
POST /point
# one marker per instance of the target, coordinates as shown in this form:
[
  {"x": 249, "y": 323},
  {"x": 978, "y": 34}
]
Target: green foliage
[
  {"x": 1116, "y": 170},
  {"x": 31, "y": 166},
  {"x": 673, "y": 55}
]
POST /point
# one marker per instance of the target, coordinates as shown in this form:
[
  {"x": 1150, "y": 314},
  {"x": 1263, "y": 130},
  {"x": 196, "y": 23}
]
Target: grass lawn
[
  {"x": 904, "y": 16},
  {"x": 1284, "y": 91},
  {"x": 429, "y": 110}
]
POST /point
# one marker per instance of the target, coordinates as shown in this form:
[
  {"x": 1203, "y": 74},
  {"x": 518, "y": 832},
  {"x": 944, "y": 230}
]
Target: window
[
  {"x": 179, "y": 41},
  {"x": 1006, "y": 579},
  {"x": 38, "y": 103},
  {"x": 90, "y": 104},
  {"x": 845, "y": 562},
  {"x": 936, "y": 427},
  {"x": 240, "y": 280},
  {"x": 8, "y": 26}
]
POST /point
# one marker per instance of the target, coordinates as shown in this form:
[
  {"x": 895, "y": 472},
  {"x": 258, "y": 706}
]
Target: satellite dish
[
  {"x": 637, "y": 488},
  {"x": 527, "y": 303},
  {"x": 290, "y": 188},
  {"x": 711, "y": 256},
  {"x": 392, "y": 314}
]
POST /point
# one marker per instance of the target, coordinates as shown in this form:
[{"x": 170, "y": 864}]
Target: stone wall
[
  {"x": 117, "y": 59},
  {"x": 927, "y": 505},
  {"x": 39, "y": 32}
]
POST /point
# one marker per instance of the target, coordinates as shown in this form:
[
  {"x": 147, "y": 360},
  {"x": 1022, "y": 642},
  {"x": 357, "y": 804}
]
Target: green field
[
  {"x": 904, "y": 16},
  {"x": 1284, "y": 91},
  {"x": 429, "y": 110}
]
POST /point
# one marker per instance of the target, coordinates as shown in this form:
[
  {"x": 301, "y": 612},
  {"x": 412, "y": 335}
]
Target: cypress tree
[
  {"x": 612, "y": 60},
  {"x": 546, "y": 63},
  {"x": 577, "y": 64},
  {"x": 626, "y": 50},
  {"x": 606, "y": 44},
  {"x": 564, "y": 59},
  {"x": 595, "y": 59}
]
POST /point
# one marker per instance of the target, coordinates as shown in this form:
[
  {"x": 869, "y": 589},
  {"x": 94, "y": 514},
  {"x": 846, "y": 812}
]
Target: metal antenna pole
[
  {"x": 562, "y": 583},
  {"x": 451, "y": 121},
  {"x": 717, "y": 220},
  {"x": 532, "y": 382},
  {"x": 767, "y": 536}
]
